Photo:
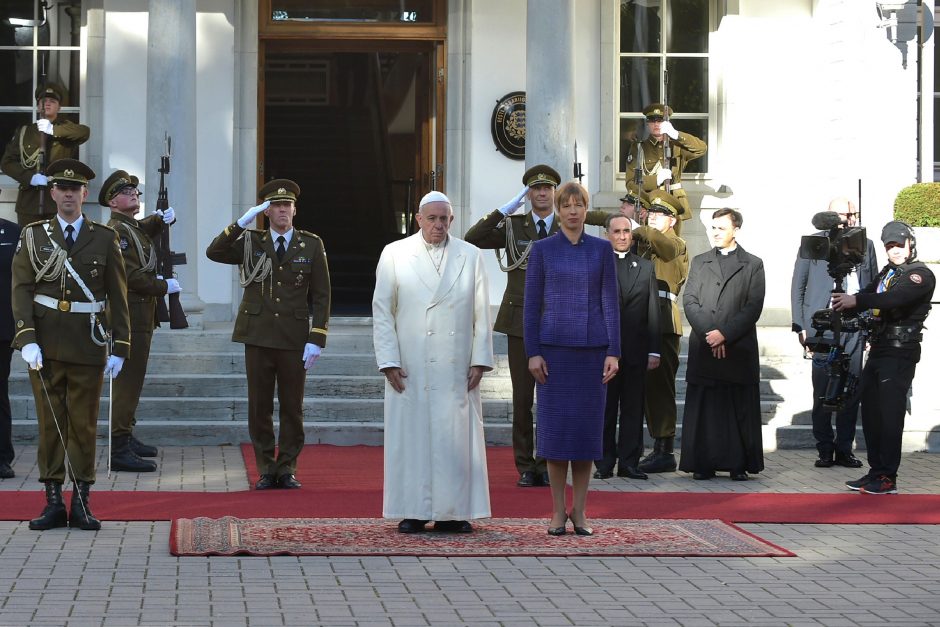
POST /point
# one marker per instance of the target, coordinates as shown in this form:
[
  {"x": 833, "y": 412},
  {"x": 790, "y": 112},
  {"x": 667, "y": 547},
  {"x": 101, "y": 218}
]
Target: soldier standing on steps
[
  {"x": 282, "y": 321},
  {"x": 65, "y": 272},
  {"x": 119, "y": 192}
]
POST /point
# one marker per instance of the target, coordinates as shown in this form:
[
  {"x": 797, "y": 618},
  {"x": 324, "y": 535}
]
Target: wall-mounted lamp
[{"x": 888, "y": 13}]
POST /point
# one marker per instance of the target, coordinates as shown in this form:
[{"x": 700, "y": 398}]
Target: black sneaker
[
  {"x": 883, "y": 484},
  {"x": 858, "y": 483}
]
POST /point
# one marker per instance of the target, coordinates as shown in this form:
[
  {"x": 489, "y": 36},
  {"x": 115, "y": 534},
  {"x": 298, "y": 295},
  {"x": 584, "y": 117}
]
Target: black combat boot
[
  {"x": 80, "y": 515},
  {"x": 664, "y": 460},
  {"x": 141, "y": 449},
  {"x": 657, "y": 449},
  {"x": 123, "y": 457},
  {"x": 54, "y": 515}
]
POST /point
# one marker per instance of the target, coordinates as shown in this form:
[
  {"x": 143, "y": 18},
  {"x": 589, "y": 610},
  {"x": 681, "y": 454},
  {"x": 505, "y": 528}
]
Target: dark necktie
[
  {"x": 280, "y": 247},
  {"x": 543, "y": 233},
  {"x": 69, "y": 236}
]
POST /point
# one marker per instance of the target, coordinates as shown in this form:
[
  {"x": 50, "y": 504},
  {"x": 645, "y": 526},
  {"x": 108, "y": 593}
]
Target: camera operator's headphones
[{"x": 897, "y": 231}]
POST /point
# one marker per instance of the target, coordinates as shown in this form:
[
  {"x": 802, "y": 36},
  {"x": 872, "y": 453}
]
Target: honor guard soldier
[
  {"x": 685, "y": 148},
  {"x": 282, "y": 321},
  {"x": 66, "y": 271},
  {"x": 899, "y": 300},
  {"x": 515, "y": 233},
  {"x": 659, "y": 243},
  {"x": 51, "y": 138},
  {"x": 119, "y": 193}
]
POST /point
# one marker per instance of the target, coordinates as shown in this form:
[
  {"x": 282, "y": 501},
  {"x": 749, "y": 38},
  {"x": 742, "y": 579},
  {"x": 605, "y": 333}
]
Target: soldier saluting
[
  {"x": 51, "y": 137},
  {"x": 66, "y": 270}
]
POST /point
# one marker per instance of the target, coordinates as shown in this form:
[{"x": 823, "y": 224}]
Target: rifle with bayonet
[
  {"x": 578, "y": 174},
  {"x": 166, "y": 258},
  {"x": 667, "y": 145},
  {"x": 41, "y": 157}
]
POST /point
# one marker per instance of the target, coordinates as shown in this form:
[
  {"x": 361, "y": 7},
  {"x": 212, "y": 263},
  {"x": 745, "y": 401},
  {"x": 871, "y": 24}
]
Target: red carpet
[
  {"x": 346, "y": 482},
  {"x": 495, "y": 537}
]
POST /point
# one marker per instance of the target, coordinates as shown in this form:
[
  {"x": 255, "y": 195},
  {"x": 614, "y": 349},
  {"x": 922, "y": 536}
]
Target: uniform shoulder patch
[
  {"x": 308, "y": 234},
  {"x": 916, "y": 278},
  {"x": 38, "y": 222},
  {"x": 102, "y": 225},
  {"x": 124, "y": 243}
]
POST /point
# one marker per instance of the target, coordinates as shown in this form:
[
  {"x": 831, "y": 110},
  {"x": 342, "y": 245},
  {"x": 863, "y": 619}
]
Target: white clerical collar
[
  {"x": 621, "y": 255},
  {"x": 430, "y": 246},
  {"x": 729, "y": 250},
  {"x": 76, "y": 226},
  {"x": 287, "y": 236}
]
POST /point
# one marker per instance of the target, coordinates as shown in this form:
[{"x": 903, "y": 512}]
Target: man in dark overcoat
[{"x": 723, "y": 299}]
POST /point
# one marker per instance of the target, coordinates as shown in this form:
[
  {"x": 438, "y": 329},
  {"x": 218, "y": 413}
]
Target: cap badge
[
  {"x": 68, "y": 173},
  {"x": 281, "y": 190}
]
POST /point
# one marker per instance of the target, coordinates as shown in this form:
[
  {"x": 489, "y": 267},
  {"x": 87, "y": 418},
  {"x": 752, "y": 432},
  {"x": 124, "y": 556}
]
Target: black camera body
[{"x": 843, "y": 248}]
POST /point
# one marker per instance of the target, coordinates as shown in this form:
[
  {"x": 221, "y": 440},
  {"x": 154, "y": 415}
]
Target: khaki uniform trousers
[
  {"x": 660, "y": 404},
  {"x": 265, "y": 367},
  {"x": 523, "y": 397},
  {"x": 74, "y": 392},
  {"x": 126, "y": 388}
]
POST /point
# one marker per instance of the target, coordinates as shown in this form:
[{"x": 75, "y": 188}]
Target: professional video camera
[{"x": 843, "y": 248}]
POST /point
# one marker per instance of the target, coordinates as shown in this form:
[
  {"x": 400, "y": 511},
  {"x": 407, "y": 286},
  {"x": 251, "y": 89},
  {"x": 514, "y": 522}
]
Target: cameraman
[
  {"x": 810, "y": 291},
  {"x": 899, "y": 298}
]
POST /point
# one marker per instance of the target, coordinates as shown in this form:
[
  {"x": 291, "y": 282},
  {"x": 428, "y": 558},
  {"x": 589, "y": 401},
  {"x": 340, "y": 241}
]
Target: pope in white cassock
[{"x": 433, "y": 341}]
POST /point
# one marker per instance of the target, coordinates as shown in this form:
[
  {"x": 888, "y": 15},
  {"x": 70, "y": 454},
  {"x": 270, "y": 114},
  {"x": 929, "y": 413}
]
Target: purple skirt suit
[{"x": 572, "y": 319}]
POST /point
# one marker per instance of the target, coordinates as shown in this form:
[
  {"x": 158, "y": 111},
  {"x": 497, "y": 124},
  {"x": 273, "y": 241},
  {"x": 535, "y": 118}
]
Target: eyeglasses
[{"x": 129, "y": 191}]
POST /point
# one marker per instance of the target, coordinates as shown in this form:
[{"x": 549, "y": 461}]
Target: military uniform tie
[
  {"x": 543, "y": 232},
  {"x": 280, "y": 248},
  {"x": 69, "y": 236}
]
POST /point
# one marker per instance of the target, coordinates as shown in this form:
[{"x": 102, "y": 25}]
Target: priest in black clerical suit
[{"x": 639, "y": 337}]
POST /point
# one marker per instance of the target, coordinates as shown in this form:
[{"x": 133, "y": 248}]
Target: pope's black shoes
[
  {"x": 54, "y": 514},
  {"x": 123, "y": 457},
  {"x": 80, "y": 516}
]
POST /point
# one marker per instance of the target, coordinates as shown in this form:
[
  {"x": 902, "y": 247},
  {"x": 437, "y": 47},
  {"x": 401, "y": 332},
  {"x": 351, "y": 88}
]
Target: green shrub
[{"x": 919, "y": 205}]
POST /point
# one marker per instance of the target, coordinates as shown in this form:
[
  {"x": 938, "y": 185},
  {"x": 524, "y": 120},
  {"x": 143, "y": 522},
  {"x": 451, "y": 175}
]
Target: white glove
[
  {"x": 172, "y": 286},
  {"x": 169, "y": 216},
  {"x": 663, "y": 175},
  {"x": 39, "y": 180},
  {"x": 32, "y": 355},
  {"x": 252, "y": 213},
  {"x": 668, "y": 129},
  {"x": 45, "y": 126},
  {"x": 114, "y": 365},
  {"x": 517, "y": 201},
  {"x": 311, "y": 352}
]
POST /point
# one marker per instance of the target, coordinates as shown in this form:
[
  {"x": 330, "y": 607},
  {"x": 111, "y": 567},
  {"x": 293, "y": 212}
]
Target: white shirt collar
[
  {"x": 430, "y": 246},
  {"x": 548, "y": 220},
  {"x": 77, "y": 225},
  {"x": 287, "y": 237}
]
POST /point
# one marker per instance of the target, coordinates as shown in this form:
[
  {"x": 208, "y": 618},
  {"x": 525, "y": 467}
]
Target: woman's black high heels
[
  {"x": 581, "y": 531},
  {"x": 558, "y": 531}
]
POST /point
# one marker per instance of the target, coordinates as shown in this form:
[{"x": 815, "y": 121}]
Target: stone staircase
[{"x": 195, "y": 391}]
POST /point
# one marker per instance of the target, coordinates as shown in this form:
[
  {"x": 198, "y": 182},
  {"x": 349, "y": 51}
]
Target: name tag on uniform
[
  {"x": 46, "y": 248},
  {"x": 523, "y": 242}
]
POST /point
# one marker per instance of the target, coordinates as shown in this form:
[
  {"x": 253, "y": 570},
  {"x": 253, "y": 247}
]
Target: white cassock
[{"x": 436, "y": 324}]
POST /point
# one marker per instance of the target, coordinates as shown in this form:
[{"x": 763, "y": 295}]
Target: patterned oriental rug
[{"x": 495, "y": 537}]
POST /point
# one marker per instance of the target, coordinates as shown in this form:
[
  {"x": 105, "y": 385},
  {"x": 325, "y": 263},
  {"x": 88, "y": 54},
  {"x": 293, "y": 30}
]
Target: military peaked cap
[
  {"x": 633, "y": 195},
  {"x": 541, "y": 175},
  {"x": 664, "y": 202},
  {"x": 118, "y": 180},
  {"x": 657, "y": 110},
  {"x": 279, "y": 189},
  {"x": 69, "y": 172},
  {"x": 50, "y": 90}
]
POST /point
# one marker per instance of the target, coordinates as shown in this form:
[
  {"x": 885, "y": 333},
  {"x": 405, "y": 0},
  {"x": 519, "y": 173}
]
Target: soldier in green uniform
[
  {"x": 58, "y": 136},
  {"x": 514, "y": 233},
  {"x": 119, "y": 193},
  {"x": 659, "y": 243},
  {"x": 66, "y": 271},
  {"x": 282, "y": 321},
  {"x": 685, "y": 148}
]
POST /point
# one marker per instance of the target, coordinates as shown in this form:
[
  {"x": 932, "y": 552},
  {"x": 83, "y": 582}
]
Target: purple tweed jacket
[{"x": 571, "y": 295}]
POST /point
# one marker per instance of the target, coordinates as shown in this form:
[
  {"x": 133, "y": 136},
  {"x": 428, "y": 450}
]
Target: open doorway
[{"x": 355, "y": 129}]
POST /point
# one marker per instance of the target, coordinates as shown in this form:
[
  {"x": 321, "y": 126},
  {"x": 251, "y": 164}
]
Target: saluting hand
[
  {"x": 396, "y": 378},
  {"x": 474, "y": 377},
  {"x": 517, "y": 201},
  {"x": 250, "y": 215}
]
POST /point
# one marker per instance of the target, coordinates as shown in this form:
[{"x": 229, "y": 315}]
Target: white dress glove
[
  {"x": 311, "y": 352},
  {"x": 45, "y": 126},
  {"x": 172, "y": 286},
  {"x": 169, "y": 216},
  {"x": 252, "y": 213},
  {"x": 669, "y": 130},
  {"x": 39, "y": 180},
  {"x": 32, "y": 355},
  {"x": 517, "y": 201},
  {"x": 663, "y": 175},
  {"x": 114, "y": 365}
]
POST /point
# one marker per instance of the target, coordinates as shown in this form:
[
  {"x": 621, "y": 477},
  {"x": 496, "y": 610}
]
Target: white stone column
[
  {"x": 550, "y": 101},
  {"x": 171, "y": 108}
]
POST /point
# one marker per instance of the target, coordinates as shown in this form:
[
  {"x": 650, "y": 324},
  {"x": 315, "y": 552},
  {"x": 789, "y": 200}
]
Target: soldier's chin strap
[{"x": 65, "y": 450}]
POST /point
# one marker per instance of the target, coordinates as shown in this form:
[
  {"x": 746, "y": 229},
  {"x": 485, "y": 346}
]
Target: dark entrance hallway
[{"x": 352, "y": 128}]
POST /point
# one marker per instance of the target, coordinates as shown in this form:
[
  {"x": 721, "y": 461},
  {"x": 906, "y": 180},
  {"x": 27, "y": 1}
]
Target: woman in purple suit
[{"x": 572, "y": 339}]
